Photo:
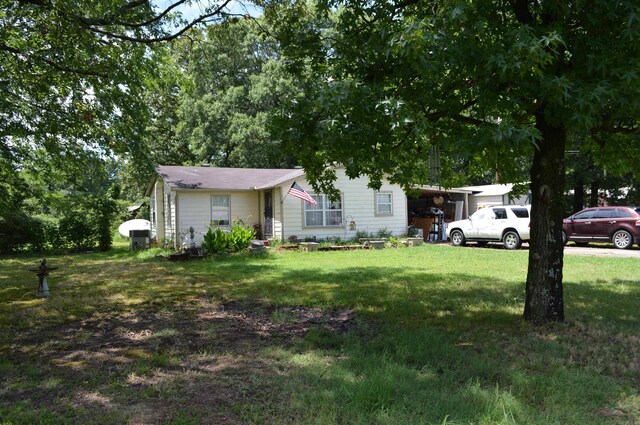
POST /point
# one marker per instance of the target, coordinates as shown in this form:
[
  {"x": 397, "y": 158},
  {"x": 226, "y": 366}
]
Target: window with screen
[
  {"x": 384, "y": 203},
  {"x": 220, "y": 210},
  {"x": 327, "y": 213}
]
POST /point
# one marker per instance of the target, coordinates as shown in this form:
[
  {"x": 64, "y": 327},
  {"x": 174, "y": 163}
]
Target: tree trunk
[
  {"x": 578, "y": 196},
  {"x": 544, "y": 299},
  {"x": 594, "y": 198}
]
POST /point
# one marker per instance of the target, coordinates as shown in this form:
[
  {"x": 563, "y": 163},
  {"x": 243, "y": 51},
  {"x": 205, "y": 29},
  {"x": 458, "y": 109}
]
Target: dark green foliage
[
  {"x": 76, "y": 231},
  {"x": 104, "y": 209},
  {"x": 82, "y": 223}
]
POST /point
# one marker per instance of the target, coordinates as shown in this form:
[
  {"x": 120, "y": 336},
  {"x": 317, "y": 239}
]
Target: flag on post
[{"x": 297, "y": 191}]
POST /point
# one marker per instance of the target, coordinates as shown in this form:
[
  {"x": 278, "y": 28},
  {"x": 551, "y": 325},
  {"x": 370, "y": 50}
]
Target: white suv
[{"x": 506, "y": 223}]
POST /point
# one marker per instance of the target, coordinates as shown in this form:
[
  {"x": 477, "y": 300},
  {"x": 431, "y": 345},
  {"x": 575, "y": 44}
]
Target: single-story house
[{"x": 182, "y": 197}]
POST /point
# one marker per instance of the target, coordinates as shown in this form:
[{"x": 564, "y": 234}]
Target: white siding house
[
  {"x": 199, "y": 197},
  {"x": 359, "y": 209}
]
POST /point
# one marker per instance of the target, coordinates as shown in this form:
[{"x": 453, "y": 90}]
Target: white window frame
[
  {"x": 153, "y": 207},
  {"x": 168, "y": 212},
  {"x": 221, "y": 209},
  {"x": 322, "y": 201},
  {"x": 378, "y": 203}
]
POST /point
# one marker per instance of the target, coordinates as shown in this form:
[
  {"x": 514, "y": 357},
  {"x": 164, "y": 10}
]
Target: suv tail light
[{"x": 638, "y": 223}]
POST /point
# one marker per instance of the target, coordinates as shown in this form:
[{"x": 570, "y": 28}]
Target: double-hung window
[
  {"x": 220, "y": 210},
  {"x": 327, "y": 213},
  {"x": 384, "y": 203}
]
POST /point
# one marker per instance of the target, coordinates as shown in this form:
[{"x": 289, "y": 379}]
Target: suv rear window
[
  {"x": 624, "y": 213},
  {"x": 520, "y": 212},
  {"x": 606, "y": 213}
]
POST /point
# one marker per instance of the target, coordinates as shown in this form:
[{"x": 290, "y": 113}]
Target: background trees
[
  {"x": 234, "y": 84},
  {"x": 72, "y": 86}
]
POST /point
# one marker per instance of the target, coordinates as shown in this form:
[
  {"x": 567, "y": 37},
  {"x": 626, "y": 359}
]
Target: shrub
[
  {"x": 215, "y": 241},
  {"x": 77, "y": 231},
  {"x": 384, "y": 233},
  {"x": 104, "y": 211},
  {"x": 45, "y": 234},
  {"x": 16, "y": 229},
  {"x": 240, "y": 237},
  {"x": 360, "y": 234}
]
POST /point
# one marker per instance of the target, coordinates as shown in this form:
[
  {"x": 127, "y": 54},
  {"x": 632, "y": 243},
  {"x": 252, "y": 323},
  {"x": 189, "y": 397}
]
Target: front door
[{"x": 268, "y": 215}]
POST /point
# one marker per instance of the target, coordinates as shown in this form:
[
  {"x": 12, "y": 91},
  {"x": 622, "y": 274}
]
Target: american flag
[{"x": 298, "y": 192}]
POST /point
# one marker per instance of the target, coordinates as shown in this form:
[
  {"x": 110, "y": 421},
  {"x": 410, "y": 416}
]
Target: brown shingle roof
[{"x": 181, "y": 177}]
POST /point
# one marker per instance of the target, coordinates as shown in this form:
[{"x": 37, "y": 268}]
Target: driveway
[
  {"x": 571, "y": 249},
  {"x": 602, "y": 251}
]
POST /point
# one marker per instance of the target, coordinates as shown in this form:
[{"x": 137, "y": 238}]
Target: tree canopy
[
  {"x": 72, "y": 78},
  {"x": 506, "y": 79}
]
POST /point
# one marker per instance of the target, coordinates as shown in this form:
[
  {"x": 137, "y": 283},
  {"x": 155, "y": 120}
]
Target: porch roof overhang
[
  {"x": 436, "y": 189},
  {"x": 225, "y": 179}
]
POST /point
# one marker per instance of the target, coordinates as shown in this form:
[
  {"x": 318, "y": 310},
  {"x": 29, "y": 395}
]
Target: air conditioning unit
[{"x": 139, "y": 239}]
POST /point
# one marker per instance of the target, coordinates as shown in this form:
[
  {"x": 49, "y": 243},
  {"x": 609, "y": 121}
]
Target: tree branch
[
  {"x": 52, "y": 64},
  {"x": 201, "y": 18},
  {"x": 112, "y": 19}
]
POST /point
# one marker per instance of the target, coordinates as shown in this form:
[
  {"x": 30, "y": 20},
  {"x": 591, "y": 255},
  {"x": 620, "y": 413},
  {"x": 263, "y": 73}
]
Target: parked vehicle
[
  {"x": 508, "y": 224},
  {"x": 618, "y": 225}
]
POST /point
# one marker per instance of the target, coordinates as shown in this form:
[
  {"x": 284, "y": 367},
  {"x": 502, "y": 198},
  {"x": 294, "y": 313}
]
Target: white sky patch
[{"x": 199, "y": 7}]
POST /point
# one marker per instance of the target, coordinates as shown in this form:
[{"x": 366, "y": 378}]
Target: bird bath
[{"x": 42, "y": 272}]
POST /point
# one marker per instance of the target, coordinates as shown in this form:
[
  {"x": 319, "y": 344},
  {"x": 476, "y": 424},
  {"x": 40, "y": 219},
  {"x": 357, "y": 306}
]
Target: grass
[{"x": 430, "y": 334}]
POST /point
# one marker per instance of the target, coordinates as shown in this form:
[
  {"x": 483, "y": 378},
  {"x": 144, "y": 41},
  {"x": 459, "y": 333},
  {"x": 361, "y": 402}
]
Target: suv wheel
[
  {"x": 457, "y": 238},
  {"x": 622, "y": 239},
  {"x": 511, "y": 240},
  {"x": 565, "y": 238}
]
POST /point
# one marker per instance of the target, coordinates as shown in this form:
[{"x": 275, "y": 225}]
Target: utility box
[{"x": 139, "y": 239}]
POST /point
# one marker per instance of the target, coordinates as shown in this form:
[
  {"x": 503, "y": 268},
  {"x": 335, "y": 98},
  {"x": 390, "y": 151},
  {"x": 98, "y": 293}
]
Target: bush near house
[{"x": 217, "y": 241}]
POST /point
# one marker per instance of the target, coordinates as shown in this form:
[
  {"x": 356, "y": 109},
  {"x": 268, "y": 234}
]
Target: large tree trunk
[
  {"x": 594, "y": 197},
  {"x": 578, "y": 195},
  {"x": 544, "y": 299}
]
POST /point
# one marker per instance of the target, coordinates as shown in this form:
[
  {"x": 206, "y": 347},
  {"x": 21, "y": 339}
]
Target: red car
[{"x": 619, "y": 225}]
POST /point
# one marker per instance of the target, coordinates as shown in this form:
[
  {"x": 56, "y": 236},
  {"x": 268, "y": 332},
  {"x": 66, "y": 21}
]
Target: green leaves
[
  {"x": 217, "y": 241},
  {"x": 386, "y": 79},
  {"x": 234, "y": 84}
]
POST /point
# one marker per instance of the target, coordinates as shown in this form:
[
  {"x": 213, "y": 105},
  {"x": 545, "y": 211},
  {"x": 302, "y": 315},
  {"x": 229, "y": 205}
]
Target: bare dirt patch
[{"x": 201, "y": 361}]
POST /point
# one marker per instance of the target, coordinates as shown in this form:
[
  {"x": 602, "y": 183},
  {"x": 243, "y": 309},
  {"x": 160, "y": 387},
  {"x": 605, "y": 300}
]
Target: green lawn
[{"x": 430, "y": 334}]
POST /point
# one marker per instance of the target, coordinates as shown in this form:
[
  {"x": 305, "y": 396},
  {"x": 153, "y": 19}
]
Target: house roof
[{"x": 213, "y": 178}]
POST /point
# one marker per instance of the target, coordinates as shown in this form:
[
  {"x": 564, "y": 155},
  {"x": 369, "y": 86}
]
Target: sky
[{"x": 197, "y": 7}]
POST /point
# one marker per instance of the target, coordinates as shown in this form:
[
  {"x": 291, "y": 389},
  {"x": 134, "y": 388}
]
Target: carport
[{"x": 430, "y": 208}]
